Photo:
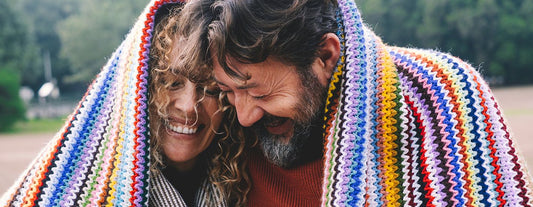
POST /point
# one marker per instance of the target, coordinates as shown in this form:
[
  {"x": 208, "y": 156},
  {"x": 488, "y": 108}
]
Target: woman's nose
[{"x": 186, "y": 99}]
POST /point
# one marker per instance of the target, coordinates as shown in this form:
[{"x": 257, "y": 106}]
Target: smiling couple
[{"x": 277, "y": 103}]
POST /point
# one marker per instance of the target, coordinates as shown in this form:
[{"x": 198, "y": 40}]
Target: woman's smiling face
[{"x": 193, "y": 117}]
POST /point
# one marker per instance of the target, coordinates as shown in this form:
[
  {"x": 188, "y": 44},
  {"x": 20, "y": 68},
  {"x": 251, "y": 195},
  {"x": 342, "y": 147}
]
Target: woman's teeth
[{"x": 182, "y": 129}]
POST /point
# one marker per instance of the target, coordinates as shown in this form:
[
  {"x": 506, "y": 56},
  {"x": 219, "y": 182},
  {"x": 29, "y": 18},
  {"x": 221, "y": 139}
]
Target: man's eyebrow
[{"x": 241, "y": 87}]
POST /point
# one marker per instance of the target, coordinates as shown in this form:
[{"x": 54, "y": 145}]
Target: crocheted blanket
[
  {"x": 403, "y": 127},
  {"x": 100, "y": 157},
  {"x": 411, "y": 127}
]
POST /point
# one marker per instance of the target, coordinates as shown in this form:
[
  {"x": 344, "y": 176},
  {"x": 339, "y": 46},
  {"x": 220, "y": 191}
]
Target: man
[{"x": 343, "y": 119}]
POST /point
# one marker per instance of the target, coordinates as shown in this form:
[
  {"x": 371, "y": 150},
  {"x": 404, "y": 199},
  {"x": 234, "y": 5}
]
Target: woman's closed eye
[
  {"x": 212, "y": 91},
  {"x": 175, "y": 85}
]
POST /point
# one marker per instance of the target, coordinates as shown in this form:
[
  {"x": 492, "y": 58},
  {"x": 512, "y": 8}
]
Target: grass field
[{"x": 37, "y": 126}]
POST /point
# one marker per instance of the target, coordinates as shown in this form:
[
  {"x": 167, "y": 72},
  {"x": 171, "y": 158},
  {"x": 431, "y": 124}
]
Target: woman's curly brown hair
[{"x": 227, "y": 158}]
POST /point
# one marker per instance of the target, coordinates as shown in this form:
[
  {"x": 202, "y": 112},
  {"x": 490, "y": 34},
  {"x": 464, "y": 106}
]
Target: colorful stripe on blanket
[
  {"x": 100, "y": 157},
  {"x": 411, "y": 127}
]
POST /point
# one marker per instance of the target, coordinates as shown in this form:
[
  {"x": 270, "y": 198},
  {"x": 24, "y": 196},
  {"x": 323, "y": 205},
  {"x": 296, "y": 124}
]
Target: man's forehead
[{"x": 222, "y": 76}]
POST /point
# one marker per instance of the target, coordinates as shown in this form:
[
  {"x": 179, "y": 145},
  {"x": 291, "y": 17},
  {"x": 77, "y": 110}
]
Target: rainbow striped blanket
[
  {"x": 100, "y": 157},
  {"x": 411, "y": 127},
  {"x": 404, "y": 127}
]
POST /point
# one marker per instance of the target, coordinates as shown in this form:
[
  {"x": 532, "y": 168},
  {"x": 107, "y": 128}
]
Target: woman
[
  {"x": 186, "y": 111},
  {"x": 109, "y": 147},
  {"x": 184, "y": 119}
]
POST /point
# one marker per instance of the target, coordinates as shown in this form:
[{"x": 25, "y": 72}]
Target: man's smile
[{"x": 279, "y": 125}]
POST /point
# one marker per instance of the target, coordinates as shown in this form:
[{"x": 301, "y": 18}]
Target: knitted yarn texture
[
  {"x": 412, "y": 127},
  {"x": 403, "y": 127},
  {"x": 100, "y": 157}
]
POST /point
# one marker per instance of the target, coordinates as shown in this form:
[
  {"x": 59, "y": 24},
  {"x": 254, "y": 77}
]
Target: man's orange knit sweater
[{"x": 276, "y": 186}]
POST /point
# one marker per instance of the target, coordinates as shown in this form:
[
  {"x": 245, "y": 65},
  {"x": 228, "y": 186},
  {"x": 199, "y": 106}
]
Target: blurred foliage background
[
  {"x": 494, "y": 36},
  {"x": 73, "y": 37},
  {"x": 76, "y": 37}
]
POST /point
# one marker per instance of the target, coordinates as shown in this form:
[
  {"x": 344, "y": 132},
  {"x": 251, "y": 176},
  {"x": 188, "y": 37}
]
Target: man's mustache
[{"x": 269, "y": 120}]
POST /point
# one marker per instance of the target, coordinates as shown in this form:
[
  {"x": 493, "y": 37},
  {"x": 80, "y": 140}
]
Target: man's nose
[{"x": 248, "y": 112}]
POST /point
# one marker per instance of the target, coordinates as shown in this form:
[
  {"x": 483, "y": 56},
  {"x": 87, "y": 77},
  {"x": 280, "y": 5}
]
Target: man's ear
[{"x": 328, "y": 55}]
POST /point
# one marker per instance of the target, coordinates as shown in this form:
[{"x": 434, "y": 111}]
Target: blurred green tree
[
  {"x": 42, "y": 17},
  {"x": 17, "y": 49},
  {"x": 494, "y": 36},
  {"x": 90, "y": 36},
  {"x": 11, "y": 106},
  {"x": 13, "y": 49}
]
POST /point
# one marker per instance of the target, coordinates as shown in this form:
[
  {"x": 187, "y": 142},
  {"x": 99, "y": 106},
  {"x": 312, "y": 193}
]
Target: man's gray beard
[
  {"x": 309, "y": 117},
  {"x": 283, "y": 154}
]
